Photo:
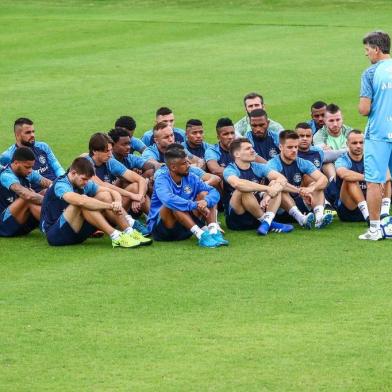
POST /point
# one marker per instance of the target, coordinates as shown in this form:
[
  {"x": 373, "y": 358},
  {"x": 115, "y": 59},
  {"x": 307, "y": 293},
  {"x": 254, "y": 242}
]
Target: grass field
[{"x": 302, "y": 312}]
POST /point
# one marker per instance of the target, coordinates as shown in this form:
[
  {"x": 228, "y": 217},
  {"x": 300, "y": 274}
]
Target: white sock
[
  {"x": 213, "y": 228},
  {"x": 115, "y": 234},
  {"x": 318, "y": 212},
  {"x": 269, "y": 217},
  {"x": 130, "y": 220},
  {"x": 197, "y": 231},
  {"x": 364, "y": 209},
  {"x": 374, "y": 225},
  {"x": 385, "y": 205},
  {"x": 128, "y": 230},
  {"x": 297, "y": 215}
]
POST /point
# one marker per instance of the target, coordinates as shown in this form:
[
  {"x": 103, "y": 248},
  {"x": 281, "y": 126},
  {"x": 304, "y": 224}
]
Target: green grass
[{"x": 306, "y": 311}]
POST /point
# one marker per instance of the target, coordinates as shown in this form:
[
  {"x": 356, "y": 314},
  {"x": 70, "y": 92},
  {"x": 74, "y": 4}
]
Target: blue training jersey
[
  {"x": 53, "y": 204},
  {"x": 217, "y": 153},
  {"x": 45, "y": 161},
  {"x": 136, "y": 145},
  {"x": 198, "y": 151},
  {"x": 376, "y": 84},
  {"x": 132, "y": 161},
  {"x": 178, "y": 197},
  {"x": 315, "y": 154},
  {"x": 109, "y": 171},
  {"x": 267, "y": 147},
  {"x": 294, "y": 171},
  {"x": 148, "y": 137},
  {"x": 347, "y": 162},
  {"x": 8, "y": 178},
  {"x": 257, "y": 172}
]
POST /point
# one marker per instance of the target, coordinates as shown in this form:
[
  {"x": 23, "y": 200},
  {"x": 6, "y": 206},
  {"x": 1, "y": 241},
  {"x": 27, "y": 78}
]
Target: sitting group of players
[{"x": 262, "y": 176}]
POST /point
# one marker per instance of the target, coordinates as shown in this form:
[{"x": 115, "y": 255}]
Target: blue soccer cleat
[
  {"x": 141, "y": 228},
  {"x": 264, "y": 228},
  {"x": 207, "y": 241},
  {"x": 280, "y": 227},
  {"x": 325, "y": 221},
  {"x": 309, "y": 220},
  {"x": 218, "y": 237}
]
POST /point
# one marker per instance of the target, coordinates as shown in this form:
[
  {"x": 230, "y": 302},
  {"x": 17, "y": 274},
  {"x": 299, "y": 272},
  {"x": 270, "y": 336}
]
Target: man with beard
[
  {"x": 264, "y": 141},
  {"x": 352, "y": 206},
  {"x": 317, "y": 112},
  {"x": 45, "y": 162},
  {"x": 253, "y": 101}
]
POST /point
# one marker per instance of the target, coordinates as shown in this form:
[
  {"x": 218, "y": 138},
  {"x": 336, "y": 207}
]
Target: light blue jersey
[
  {"x": 137, "y": 145},
  {"x": 376, "y": 84}
]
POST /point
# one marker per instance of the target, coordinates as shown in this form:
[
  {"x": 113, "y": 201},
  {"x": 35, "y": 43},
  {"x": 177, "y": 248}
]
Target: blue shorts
[
  {"x": 177, "y": 233},
  {"x": 9, "y": 227},
  {"x": 347, "y": 215},
  {"x": 61, "y": 233},
  {"x": 245, "y": 221},
  {"x": 377, "y": 159}
]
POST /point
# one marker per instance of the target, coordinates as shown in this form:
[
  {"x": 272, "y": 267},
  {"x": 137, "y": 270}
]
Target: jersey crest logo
[
  {"x": 106, "y": 178},
  {"x": 42, "y": 159},
  {"x": 316, "y": 163},
  {"x": 188, "y": 190},
  {"x": 272, "y": 152},
  {"x": 10, "y": 199},
  {"x": 297, "y": 178}
]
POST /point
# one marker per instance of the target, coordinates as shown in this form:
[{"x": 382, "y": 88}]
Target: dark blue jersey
[
  {"x": 109, "y": 171},
  {"x": 198, "y": 151},
  {"x": 315, "y": 155},
  {"x": 266, "y": 147},
  {"x": 53, "y": 204},
  {"x": 358, "y": 166},
  {"x": 217, "y": 153},
  {"x": 8, "y": 178}
]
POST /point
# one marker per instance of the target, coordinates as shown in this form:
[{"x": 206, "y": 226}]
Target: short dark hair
[
  {"x": 223, "y": 122},
  {"x": 236, "y": 144},
  {"x": 287, "y": 134},
  {"x": 83, "y": 166},
  {"x": 303, "y": 125},
  {"x": 318, "y": 105},
  {"x": 193, "y": 122},
  {"x": 23, "y": 154},
  {"x": 333, "y": 108},
  {"x": 118, "y": 132},
  {"x": 99, "y": 142},
  {"x": 163, "y": 111},
  {"x": 253, "y": 95},
  {"x": 173, "y": 153},
  {"x": 126, "y": 122},
  {"x": 19, "y": 122},
  {"x": 174, "y": 146},
  {"x": 378, "y": 39},
  {"x": 355, "y": 132},
  {"x": 258, "y": 113}
]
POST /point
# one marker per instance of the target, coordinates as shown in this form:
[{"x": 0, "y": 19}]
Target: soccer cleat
[
  {"x": 218, "y": 237},
  {"x": 263, "y": 229},
  {"x": 309, "y": 220},
  {"x": 371, "y": 235},
  {"x": 280, "y": 227},
  {"x": 325, "y": 221},
  {"x": 137, "y": 236},
  {"x": 125, "y": 241},
  {"x": 330, "y": 210},
  {"x": 207, "y": 241},
  {"x": 141, "y": 228}
]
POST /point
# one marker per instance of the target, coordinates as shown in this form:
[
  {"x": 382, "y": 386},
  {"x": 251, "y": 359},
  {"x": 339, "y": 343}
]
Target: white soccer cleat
[{"x": 371, "y": 235}]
